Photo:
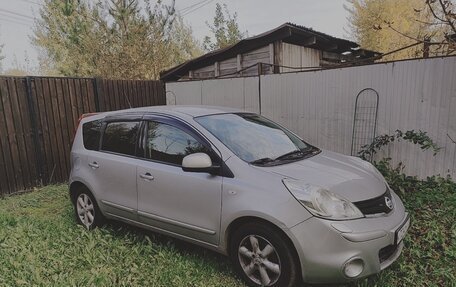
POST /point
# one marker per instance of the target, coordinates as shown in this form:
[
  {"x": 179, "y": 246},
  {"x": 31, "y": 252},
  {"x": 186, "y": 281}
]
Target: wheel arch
[
  {"x": 236, "y": 223},
  {"x": 75, "y": 186}
]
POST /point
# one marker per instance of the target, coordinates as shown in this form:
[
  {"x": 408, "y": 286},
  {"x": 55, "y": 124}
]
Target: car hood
[{"x": 347, "y": 176}]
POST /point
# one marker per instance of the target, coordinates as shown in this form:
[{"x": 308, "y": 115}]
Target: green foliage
[
  {"x": 387, "y": 25},
  {"x": 225, "y": 29},
  {"x": 402, "y": 183},
  {"x": 419, "y": 138},
  {"x": 112, "y": 38},
  {"x": 430, "y": 246}
]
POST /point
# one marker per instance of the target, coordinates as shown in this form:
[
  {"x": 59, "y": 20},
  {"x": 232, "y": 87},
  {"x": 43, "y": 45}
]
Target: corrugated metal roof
[{"x": 288, "y": 32}]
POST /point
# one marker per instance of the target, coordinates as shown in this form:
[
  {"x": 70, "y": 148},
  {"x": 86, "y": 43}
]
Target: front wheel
[
  {"x": 87, "y": 212},
  {"x": 263, "y": 257}
]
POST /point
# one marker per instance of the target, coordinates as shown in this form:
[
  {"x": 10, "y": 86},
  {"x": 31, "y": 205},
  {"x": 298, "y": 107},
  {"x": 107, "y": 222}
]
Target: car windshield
[{"x": 254, "y": 138}]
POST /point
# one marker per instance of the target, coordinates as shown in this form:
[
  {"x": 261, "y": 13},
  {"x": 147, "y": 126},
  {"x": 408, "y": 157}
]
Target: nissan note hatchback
[{"x": 235, "y": 182}]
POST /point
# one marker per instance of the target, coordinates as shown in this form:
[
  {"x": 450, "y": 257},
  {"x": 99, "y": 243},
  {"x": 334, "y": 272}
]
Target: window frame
[
  {"x": 165, "y": 119},
  {"x": 97, "y": 148},
  {"x": 178, "y": 125},
  {"x": 121, "y": 119}
]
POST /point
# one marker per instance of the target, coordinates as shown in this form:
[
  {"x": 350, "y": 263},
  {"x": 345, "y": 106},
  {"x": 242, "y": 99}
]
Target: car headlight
[{"x": 322, "y": 202}]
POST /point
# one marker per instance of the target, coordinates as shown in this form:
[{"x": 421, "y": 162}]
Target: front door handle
[
  {"x": 146, "y": 176},
  {"x": 94, "y": 165}
]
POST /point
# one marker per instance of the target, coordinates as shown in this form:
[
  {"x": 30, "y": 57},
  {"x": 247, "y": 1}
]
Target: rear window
[
  {"x": 120, "y": 137},
  {"x": 91, "y": 132}
]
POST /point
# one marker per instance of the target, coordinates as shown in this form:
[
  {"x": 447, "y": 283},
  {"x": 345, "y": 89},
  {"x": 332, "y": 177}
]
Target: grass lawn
[{"x": 41, "y": 245}]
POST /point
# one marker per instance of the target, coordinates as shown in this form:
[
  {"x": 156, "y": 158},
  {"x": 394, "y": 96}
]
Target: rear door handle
[
  {"x": 146, "y": 176},
  {"x": 94, "y": 165}
]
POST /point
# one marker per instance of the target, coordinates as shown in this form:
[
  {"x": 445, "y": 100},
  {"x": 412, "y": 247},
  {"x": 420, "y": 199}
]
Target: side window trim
[{"x": 179, "y": 127}]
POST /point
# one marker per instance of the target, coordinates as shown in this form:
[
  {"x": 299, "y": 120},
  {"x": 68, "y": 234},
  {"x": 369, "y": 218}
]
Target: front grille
[
  {"x": 375, "y": 205},
  {"x": 386, "y": 252}
]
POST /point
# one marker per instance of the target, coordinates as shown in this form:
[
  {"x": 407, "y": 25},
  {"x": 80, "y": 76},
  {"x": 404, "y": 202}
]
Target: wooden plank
[
  {"x": 71, "y": 123},
  {"x": 144, "y": 97},
  {"x": 117, "y": 95},
  {"x": 138, "y": 91},
  {"x": 100, "y": 93},
  {"x": 73, "y": 103},
  {"x": 108, "y": 96},
  {"x": 78, "y": 97},
  {"x": 19, "y": 129},
  {"x": 4, "y": 139},
  {"x": 151, "y": 93},
  {"x": 134, "y": 90},
  {"x": 56, "y": 129},
  {"x": 129, "y": 92},
  {"x": 43, "y": 129},
  {"x": 239, "y": 62},
  {"x": 65, "y": 131},
  {"x": 85, "y": 97},
  {"x": 4, "y": 188},
  {"x": 11, "y": 132},
  {"x": 28, "y": 133},
  {"x": 90, "y": 95},
  {"x": 124, "y": 92}
]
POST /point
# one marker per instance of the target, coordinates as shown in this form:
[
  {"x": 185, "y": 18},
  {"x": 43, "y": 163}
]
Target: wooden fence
[{"x": 39, "y": 115}]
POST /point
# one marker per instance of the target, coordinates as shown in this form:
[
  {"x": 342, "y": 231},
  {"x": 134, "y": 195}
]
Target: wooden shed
[{"x": 288, "y": 47}]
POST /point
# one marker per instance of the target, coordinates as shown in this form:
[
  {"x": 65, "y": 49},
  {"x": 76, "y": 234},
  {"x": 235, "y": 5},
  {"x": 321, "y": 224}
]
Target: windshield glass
[{"x": 252, "y": 137}]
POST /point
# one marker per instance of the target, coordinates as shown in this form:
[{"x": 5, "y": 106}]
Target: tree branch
[
  {"x": 446, "y": 13},
  {"x": 428, "y": 2}
]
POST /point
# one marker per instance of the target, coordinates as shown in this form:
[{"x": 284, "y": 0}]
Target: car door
[
  {"x": 114, "y": 167},
  {"x": 184, "y": 203}
]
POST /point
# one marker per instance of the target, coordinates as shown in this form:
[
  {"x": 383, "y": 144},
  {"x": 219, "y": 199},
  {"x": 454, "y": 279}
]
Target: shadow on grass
[{"x": 219, "y": 262}]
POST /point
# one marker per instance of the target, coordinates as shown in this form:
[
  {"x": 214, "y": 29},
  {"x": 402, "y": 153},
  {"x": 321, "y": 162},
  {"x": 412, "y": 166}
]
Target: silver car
[{"x": 235, "y": 182}]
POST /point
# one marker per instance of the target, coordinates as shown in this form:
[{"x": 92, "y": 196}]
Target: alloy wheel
[
  {"x": 85, "y": 210},
  {"x": 259, "y": 260}
]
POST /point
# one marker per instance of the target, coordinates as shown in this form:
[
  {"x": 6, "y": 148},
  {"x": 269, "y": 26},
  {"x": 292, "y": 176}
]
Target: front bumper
[{"x": 325, "y": 246}]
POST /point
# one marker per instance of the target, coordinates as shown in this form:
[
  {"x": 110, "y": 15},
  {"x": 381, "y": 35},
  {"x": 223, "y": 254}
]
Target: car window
[
  {"x": 170, "y": 144},
  {"x": 91, "y": 132},
  {"x": 120, "y": 137}
]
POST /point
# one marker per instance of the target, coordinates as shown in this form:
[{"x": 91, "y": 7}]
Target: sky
[{"x": 254, "y": 16}]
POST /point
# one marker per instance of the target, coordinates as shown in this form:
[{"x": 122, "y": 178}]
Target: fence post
[
  {"x": 34, "y": 126},
  {"x": 96, "y": 93},
  {"x": 260, "y": 71}
]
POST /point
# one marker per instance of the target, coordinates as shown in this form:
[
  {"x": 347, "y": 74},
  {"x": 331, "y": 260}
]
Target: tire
[
  {"x": 279, "y": 262},
  {"x": 86, "y": 209}
]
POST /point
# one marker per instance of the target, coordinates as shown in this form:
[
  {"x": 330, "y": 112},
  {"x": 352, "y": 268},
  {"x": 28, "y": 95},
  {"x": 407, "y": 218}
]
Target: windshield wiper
[
  {"x": 261, "y": 161},
  {"x": 292, "y": 154}
]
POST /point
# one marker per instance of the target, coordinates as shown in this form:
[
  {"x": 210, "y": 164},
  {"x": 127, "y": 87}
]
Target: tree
[
  {"x": 125, "y": 39},
  {"x": 388, "y": 25},
  {"x": 225, "y": 29}
]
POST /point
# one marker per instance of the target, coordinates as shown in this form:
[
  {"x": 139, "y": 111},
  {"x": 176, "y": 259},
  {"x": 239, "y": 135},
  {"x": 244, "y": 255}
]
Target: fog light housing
[{"x": 354, "y": 267}]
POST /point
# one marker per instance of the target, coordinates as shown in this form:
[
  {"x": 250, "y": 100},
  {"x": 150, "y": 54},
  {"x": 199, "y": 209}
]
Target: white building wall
[{"x": 319, "y": 105}]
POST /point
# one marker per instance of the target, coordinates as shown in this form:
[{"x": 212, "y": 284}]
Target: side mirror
[{"x": 199, "y": 162}]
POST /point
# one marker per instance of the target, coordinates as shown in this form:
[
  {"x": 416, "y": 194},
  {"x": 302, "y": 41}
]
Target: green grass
[{"x": 41, "y": 245}]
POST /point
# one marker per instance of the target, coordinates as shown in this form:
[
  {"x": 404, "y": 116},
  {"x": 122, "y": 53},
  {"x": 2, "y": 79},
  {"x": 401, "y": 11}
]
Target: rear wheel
[
  {"x": 263, "y": 257},
  {"x": 87, "y": 212}
]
